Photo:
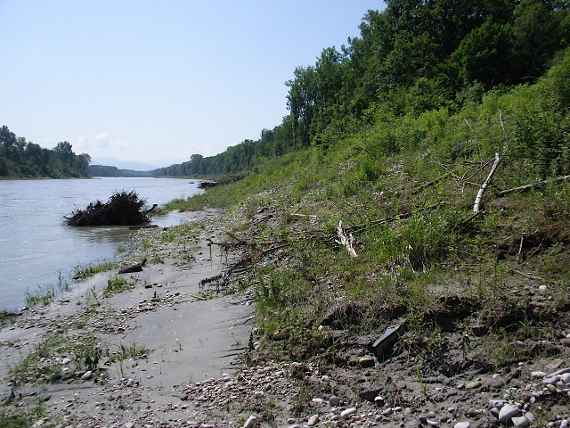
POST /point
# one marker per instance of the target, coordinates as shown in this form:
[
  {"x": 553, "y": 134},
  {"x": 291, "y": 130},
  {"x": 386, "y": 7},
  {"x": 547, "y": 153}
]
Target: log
[
  {"x": 134, "y": 268},
  {"x": 479, "y": 197},
  {"x": 530, "y": 186}
]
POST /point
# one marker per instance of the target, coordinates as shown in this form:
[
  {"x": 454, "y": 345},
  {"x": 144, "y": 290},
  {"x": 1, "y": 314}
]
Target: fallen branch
[
  {"x": 346, "y": 241},
  {"x": 430, "y": 183},
  {"x": 530, "y": 186},
  {"x": 361, "y": 227},
  {"x": 479, "y": 197}
]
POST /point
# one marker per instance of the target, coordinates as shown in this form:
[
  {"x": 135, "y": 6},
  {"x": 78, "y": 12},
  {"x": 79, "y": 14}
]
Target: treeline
[
  {"x": 22, "y": 159},
  {"x": 412, "y": 57},
  {"x": 113, "y": 171}
]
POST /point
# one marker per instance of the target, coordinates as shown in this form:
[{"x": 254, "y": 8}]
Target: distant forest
[
  {"x": 22, "y": 159},
  {"x": 412, "y": 57}
]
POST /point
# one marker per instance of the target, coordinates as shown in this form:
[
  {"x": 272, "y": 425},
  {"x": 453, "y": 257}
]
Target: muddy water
[{"x": 35, "y": 245}]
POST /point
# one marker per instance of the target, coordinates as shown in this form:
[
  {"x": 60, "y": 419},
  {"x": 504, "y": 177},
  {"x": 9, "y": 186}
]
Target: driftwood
[
  {"x": 144, "y": 226},
  {"x": 530, "y": 186},
  {"x": 151, "y": 209},
  {"x": 134, "y": 268},
  {"x": 346, "y": 241},
  {"x": 430, "y": 183},
  {"x": 479, "y": 197},
  {"x": 207, "y": 184},
  {"x": 402, "y": 216},
  {"x": 122, "y": 209}
]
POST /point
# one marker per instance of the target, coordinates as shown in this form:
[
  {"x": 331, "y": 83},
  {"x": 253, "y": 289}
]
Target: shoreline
[{"x": 147, "y": 321}]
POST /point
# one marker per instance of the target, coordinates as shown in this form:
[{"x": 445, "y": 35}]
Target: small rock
[
  {"x": 564, "y": 423},
  {"x": 348, "y": 412},
  {"x": 465, "y": 424},
  {"x": 87, "y": 375},
  {"x": 251, "y": 422},
  {"x": 496, "y": 403},
  {"x": 379, "y": 400},
  {"x": 520, "y": 422},
  {"x": 542, "y": 288},
  {"x": 313, "y": 420},
  {"x": 366, "y": 361},
  {"x": 537, "y": 375},
  {"x": 472, "y": 385},
  {"x": 507, "y": 412},
  {"x": 129, "y": 425},
  {"x": 334, "y": 400}
]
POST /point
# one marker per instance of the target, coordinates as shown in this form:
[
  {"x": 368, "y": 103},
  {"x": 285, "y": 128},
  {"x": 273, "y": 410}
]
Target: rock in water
[
  {"x": 313, "y": 420},
  {"x": 462, "y": 425}
]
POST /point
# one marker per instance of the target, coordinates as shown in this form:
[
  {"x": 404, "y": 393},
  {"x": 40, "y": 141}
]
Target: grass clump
[
  {"x": 43, "y": 364},
  {"x": 131, "y": 351},
  {"x": 82, "y": 273},
  {"x": 116, "y": 285},
  {"x": 7, "y": 318}
]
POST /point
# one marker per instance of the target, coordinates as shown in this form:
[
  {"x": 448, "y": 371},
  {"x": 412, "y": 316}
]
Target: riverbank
[
  {"x": 119, "y": 349},
  {"x": 315, "y": 352}
]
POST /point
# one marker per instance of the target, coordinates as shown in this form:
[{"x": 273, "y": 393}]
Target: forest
[
  {"x": 412, "y": 57},
  {"x": 23, "y": 159}
]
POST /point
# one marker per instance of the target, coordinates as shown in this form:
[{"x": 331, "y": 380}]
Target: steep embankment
[{"x": 381, "y": 232}]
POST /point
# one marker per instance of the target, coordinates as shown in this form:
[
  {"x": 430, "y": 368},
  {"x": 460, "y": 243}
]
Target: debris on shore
[{"x": 122, "y": 209}]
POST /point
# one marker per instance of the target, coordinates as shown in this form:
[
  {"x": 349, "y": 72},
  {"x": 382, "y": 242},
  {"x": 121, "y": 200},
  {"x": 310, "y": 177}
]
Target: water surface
[{"x": 35, "y": 245}]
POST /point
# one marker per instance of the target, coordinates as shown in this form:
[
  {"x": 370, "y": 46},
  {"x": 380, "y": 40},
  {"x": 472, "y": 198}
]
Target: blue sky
[{"x": 152, "y": 81}]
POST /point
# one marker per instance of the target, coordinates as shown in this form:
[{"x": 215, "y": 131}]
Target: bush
[{"x": 122, "y": 209}]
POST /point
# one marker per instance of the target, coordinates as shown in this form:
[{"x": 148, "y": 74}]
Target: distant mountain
[{"x": 113, "y": 171}]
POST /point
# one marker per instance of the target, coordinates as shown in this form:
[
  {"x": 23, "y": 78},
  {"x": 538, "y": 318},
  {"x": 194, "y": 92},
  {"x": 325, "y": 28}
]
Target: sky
[{"x": 152, "y": 82}]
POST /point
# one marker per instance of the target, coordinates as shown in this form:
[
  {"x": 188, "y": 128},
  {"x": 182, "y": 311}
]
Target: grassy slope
[{"x": 427, "y": 170}]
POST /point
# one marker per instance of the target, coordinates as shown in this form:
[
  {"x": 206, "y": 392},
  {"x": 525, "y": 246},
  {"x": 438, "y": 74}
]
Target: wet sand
[{"x": 190, "y": 340}]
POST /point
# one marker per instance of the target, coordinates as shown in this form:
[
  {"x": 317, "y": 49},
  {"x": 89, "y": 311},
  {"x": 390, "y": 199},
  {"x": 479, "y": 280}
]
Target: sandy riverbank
[{"x": 154, "y": 338}]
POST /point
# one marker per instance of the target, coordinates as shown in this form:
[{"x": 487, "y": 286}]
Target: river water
[{"x": 36, "y": 247}]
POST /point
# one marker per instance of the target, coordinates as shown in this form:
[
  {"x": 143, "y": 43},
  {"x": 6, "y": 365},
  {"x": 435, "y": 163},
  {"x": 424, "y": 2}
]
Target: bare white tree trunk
[{"x": 479, "y": 197}]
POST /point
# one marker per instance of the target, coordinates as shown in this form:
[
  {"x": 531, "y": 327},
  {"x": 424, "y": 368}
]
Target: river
[{"x": 36, "y": 247}]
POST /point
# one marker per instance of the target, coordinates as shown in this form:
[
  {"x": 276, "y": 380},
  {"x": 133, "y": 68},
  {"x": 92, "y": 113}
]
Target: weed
[
  {"x": 82, "y": 273},
  {"x": 131, "y": 351},
  {"x": 116, "y": 285}
]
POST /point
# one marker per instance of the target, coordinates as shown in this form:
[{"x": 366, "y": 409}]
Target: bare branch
[{"x": 479, "y": 197}]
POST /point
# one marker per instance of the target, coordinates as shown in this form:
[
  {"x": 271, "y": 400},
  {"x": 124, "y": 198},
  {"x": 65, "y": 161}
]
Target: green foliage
[
  {"x": 82, "y": 273},
  {"x": 412, "y": 58},
  {"x": 116, "y": 285},
  {"x": 20, "y": 158}
]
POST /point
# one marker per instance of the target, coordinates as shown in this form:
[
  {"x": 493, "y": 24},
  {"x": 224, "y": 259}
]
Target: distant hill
[{"x": 113, "y": 171}]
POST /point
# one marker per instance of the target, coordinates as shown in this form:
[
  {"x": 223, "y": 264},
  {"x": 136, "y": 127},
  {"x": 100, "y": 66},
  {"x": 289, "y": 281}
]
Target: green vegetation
[
  {"x": 82, "y": 273},
  {"x": 131, "y": 351},
  {"x": 43, "y": 363},
  {"x": 403, "y": 182},
  {"x": 6, "y": 318},
  {"x": 116, "y": 285},
  {"x": 22, "y": 159},
  {"x": 411, "y": 58},
  {"x": 45, "y": 294},
  {"x": 21, "y": 418}
]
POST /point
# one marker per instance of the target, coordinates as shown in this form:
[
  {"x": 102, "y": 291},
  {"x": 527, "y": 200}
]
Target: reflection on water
[{"x": 35, "y": 245}]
